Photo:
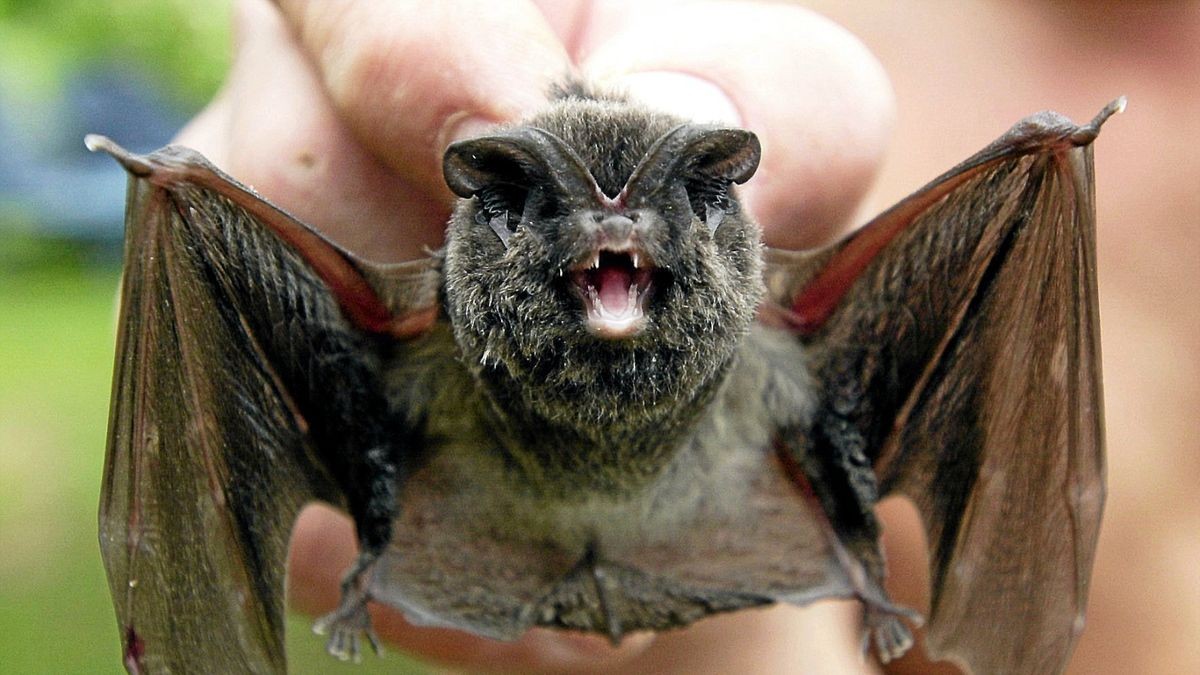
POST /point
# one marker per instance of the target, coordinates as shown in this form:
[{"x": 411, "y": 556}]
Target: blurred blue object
[{"x": 47, "y": 177}]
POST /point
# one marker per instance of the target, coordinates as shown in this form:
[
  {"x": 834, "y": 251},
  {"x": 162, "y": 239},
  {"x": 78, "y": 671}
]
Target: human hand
[{"x": 339, "y": 111}]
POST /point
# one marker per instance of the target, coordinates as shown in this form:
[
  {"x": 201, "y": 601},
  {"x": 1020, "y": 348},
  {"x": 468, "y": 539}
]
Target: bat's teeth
[
  {"x": 636, "y": 260},
  {"x": 613, "y": 292}
]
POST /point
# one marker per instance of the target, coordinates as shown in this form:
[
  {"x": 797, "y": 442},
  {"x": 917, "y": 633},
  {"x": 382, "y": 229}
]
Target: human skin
[{"x": 339, "y": 111}]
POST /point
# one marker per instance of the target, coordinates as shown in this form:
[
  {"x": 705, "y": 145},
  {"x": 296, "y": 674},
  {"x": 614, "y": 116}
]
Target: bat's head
[{"x": 599, "y": 270}]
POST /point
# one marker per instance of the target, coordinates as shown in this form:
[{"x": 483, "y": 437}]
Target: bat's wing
[
  {"x": 956, "y": 337},
  {"x": 211, "y": 450}
]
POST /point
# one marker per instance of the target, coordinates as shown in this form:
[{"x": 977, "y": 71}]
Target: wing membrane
[{"x": 959, "y": 335}]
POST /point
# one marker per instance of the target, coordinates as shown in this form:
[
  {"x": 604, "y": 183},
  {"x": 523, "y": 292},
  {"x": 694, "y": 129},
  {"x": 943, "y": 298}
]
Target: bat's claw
[
  {"x": 883, "y": 620},
  {"x": 350, "y": 622},
  {"x": 892, "y": 638},
  {"x": 884, "y": 627},
  {"x": 346, "y": 627}
]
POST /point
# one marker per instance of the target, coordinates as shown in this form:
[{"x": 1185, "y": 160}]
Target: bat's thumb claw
[
  {"x": 1088, "y": 132},
  {"x": 134, "y": 164},
  {"x": 96, "y": 142}
]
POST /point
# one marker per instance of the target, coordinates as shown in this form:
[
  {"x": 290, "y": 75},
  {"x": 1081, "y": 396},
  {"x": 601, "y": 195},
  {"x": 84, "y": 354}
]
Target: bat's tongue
[{"x": 613, "y": 286}]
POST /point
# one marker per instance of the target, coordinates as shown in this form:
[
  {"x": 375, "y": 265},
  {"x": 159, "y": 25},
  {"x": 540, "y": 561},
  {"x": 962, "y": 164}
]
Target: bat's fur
[{"x": 619, "y": 405}]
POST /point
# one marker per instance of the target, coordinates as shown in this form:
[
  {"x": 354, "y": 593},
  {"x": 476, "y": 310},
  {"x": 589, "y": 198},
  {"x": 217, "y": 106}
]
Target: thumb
[
  {"x": 816, "y": 97},
  {"x": 409, "y": 77}
]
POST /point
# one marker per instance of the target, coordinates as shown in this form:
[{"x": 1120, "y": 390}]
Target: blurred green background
[{"x": 58, "y": 282}]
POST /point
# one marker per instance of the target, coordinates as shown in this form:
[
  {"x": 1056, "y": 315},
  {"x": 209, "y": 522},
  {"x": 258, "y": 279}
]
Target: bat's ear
[
  {"x": 515, "y": 162},
  {"x": 704, "y": 160},
  {"x": 518, "y": 176}
]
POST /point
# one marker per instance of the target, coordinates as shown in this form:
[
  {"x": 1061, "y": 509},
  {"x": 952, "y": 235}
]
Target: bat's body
[
  {"x": 719, "y": 525},
  {"x": 605, "y": 406}
]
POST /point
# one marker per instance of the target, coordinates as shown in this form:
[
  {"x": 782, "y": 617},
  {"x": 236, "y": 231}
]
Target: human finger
[
  {"x": 819, "y": 101},
  {"x": 409, "y": 77},
  {"x": 273, "y": 127}
]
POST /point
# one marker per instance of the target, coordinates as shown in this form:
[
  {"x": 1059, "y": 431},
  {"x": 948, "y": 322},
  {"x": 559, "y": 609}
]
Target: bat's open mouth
[{"x": 615, "y": 286}]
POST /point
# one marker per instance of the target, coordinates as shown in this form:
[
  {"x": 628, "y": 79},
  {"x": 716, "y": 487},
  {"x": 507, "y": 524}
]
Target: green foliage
[
  {"x": 56, "y": 335},
  {"x": 184, "y": 43}
]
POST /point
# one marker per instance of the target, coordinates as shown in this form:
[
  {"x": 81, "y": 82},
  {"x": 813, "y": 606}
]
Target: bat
[{"x": 604, "y": 405}]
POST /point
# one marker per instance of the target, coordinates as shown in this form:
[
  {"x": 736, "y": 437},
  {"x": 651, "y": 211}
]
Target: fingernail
[
  {"x": 688, "y": 96},
  {"x": 462, "y": 125}
]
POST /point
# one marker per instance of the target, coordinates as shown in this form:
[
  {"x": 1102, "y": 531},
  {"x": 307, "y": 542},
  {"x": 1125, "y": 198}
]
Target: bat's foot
[
  {"x": 883, "y": 622},
  {"x": 346, "y": 627},
  {"x": 350, "y": 622},
  {"x": 883, "y": 627}
]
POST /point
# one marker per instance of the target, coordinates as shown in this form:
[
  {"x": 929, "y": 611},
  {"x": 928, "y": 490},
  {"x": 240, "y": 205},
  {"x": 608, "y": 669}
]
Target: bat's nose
[{"x": 616, "y": 228}]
